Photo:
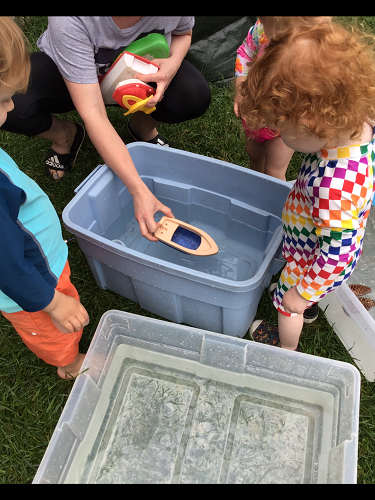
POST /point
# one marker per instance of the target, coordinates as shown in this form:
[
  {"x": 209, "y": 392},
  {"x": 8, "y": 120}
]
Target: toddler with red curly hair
[
  {"x": 267, "y": 152},
  {"x": 316, "y": 86}
]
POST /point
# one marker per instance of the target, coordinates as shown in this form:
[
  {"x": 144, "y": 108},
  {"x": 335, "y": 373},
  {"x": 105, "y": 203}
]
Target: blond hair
[
  {"x": 14, "y": 56},
  {"x": 316, "y": 78}
]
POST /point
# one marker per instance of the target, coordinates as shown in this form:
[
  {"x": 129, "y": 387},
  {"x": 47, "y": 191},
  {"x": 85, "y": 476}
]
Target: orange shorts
[{"x": 41, "y": 336}]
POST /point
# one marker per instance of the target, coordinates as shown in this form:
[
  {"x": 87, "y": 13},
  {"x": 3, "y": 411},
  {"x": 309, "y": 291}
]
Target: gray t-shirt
[{"x": 84, "y": 47}]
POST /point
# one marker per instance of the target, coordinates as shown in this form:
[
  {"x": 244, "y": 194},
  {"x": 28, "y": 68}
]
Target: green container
[{"x": 152, "y": 46}]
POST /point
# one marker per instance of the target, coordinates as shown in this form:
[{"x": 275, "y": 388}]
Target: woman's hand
[
  {"x": 168, "y": 69},
  {"x": 145, "y": 206},
  {"x": 293, "y": 302}
]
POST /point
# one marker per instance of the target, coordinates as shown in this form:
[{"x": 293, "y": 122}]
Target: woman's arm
[{"x": 89, "y": 103}]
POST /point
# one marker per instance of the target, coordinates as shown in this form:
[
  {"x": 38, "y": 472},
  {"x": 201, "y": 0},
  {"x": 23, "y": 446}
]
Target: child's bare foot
[{"x": 71, "y": 370}]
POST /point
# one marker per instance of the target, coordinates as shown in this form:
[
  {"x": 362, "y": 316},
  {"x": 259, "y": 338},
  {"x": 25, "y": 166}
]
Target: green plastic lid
[{"x": 152, "y": 46}]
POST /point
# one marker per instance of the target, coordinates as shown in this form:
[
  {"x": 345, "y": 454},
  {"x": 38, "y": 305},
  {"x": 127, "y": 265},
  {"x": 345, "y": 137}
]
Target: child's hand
[
  {"x": 235, "y": 107},
  {"x": 293, "y": 302},
  {"x": 238, "y": 81},
  {"x": 67, "y": 314}
]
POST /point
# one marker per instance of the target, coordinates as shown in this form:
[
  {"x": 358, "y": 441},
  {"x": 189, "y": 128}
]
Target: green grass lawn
[{"x": 32, "y": 396}]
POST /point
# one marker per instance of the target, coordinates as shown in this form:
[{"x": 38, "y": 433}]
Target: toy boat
[{"x": 185, "y": 237}]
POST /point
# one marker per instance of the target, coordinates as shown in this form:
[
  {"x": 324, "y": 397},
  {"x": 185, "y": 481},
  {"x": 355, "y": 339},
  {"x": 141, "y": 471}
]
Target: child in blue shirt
[{"x": 36, "y": 294}]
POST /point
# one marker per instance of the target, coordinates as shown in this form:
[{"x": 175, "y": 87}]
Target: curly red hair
[
  {"x": 317, "y": 78},
  {"x": 283, "y": 23}
]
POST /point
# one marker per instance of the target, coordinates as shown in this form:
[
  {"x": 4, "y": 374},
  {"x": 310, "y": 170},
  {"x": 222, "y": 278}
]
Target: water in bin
[{"x": 234, "y": 259}]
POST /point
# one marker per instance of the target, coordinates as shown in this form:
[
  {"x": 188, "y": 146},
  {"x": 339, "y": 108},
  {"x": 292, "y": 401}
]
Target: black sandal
[
  {"x": 159, "y": 139},
  {"x": 65, "y": 162}
]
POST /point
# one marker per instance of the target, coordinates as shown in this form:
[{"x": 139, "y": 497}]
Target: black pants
[{"x": 188, "y": 96}]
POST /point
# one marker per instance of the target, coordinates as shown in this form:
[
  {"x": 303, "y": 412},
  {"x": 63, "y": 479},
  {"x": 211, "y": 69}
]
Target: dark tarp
[{"x": 214, "y": 44}]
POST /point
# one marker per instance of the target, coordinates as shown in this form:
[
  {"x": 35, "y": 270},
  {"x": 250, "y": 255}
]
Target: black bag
[{"x": 214, "y": 45}]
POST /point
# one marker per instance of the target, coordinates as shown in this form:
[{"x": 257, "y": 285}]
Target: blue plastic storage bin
[{"x": 239, "y": 208}]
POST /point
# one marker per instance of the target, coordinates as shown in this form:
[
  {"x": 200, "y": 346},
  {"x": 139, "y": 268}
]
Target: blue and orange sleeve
[{"x": 19, "y": 276}]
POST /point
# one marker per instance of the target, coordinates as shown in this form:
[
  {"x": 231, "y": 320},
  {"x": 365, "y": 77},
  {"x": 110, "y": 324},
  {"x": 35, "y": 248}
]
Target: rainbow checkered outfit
[{"x": 324, "y": 220}]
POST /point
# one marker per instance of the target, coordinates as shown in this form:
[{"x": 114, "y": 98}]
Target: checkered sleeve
[{"x": 336, "y": 196}]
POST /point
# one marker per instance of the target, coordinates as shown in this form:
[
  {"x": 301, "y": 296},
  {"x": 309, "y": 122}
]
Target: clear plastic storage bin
[
  {"x": 166, "y": 403},
  {"x": 354, "y": 325}
]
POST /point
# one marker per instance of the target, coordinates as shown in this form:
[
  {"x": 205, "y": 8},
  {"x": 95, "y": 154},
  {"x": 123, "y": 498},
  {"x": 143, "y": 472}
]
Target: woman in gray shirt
[{"x": 75, "y": 53}]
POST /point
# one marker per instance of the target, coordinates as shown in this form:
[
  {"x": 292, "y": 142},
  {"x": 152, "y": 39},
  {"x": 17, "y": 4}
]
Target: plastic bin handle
[
  {"x": 275, "y": 236},
  {"x": 78, "y": 188}
]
